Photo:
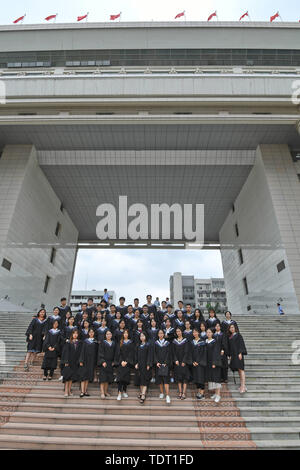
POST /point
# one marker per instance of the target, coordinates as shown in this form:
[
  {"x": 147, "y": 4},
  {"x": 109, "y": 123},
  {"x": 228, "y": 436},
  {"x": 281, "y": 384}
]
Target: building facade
[
  {"x": 79, "y": 297},
  {"x": 164, "y": 113},
  {"x": 200, "y": 293}
]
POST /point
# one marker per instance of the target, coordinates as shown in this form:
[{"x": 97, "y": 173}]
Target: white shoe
[
  {"x": 213, "y": 396},
  {"x": 125, "y": 395},
  {"x": 153, "y": 380},
  {"x": 217, "y": 398},
  {"x": 161, "y": 396},
  {"x": 172, "y": 380},
  {"x": 119, "y": 397},
  {"x": 168, "y": 399},
  {"x": 60, "y": 378}
]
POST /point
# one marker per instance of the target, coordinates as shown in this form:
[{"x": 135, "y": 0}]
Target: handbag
[{"x": 163, "y": 371}]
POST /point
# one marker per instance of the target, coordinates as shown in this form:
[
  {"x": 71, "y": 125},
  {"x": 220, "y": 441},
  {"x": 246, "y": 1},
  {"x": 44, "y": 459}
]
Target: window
[
  {"x": 233, "y": 207},
  {"x": 241, "y": 256},
  {"x": 46, "y": 285},
  {"x": 53, "y": 255},
  {"x": 281, "y": 266},
  {"x": 6, "y": 264},
  {"x": 245, "y": 286},
  {"x": 236, "y": 229},
  {"x": 61, "y": 207},
  {"x": 57, "y": 229}
]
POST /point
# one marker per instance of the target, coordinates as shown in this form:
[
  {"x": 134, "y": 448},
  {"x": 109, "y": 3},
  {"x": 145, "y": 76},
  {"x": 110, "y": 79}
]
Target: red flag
[
  {"x": 19, "y": 19},
  {"x": 114, "y": 17},
  {"x": 211, "y": 16},
  {"x": 51, "y": 17},
  {"x": 274, "y": 17},
  {"x": 244, "y": 15},
  {"x": 80, "y": 18},
  {"x": 179, "y": 15}
]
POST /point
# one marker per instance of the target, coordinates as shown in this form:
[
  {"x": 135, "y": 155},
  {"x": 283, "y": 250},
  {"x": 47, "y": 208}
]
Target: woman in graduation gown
[
  {"x": 52, "y": 318},
  {"x": 222, "y": 339},
  {"x": 179, "y": 320},
  {"x": 125, "y": 362},
  {"x": 106, "y": 360},
  {"x": 52, "y": 348},
  {"x": 227, "y": 322},
  {"x": 34, "y": 336},
  {"x": 181, "y": 359},
  {"x": 97, "y": 322},
  {"x": 143, "y": 363},
  {"x": 102, "y": 330},
  {"x": 163, "y": 360},
  {"x": 137, "y": 332},
  {"x": 214, "y": 364},
  {"x": 70, "y": 358},
  {"x": 118, "y": 333},
  {"x": 199, "y": 363},
  {"x": 84, "y": 330},
  {"x": 236, "y": 351},
  {"x": 87, "y": 362},
  {"x": 198, "y": 318},
  {"x": 169, "y": 330},
  {"x": 153, "y": 331},
  {"x": 203, "y": 334},
  {"x": 212, "y": 319}
]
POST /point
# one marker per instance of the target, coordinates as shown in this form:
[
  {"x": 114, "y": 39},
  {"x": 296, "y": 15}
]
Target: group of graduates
[{"x": 160, "y": 345}]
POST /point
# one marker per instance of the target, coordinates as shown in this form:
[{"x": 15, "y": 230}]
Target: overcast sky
[
  {"x": 136, "y": 273},
  {"x": 142, "y": 10}
]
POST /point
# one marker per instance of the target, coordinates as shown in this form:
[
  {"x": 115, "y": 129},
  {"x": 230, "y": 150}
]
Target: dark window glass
[
  {"x": 281, "y": 266},
  {"x": 46, "y": 285},
  {"x": 245, "y": 284},
  {"x": 241, "y": 258},
  {"x": 6, "y": 264}
]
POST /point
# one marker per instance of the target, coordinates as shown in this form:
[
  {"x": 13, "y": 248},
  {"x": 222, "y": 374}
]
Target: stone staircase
[{"x": 35, "y": 415}]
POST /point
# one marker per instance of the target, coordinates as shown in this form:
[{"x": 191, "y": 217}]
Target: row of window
[{"x": 151, "y": 57}]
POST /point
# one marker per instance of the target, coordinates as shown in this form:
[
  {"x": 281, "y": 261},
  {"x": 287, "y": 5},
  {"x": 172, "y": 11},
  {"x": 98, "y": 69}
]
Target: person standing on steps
[
  {"x": 236, "y": 351},
  {"x": 163, "y": 361},
  {"x": 52, "y": 348},
  {"x": 35, "y": 335},
  {"x": 106, "y": 360},
  {"x": 180, "y": 354},
  {"x": 70, "y": 358},
  {"x": 143, "y": 363},
  {"x": 64, "y": 309},
  {"x": 87, "y": 362},
  {"x": 199, "y": 363},
  {"x": 214, "y": 364},
  {"x": 125, "y": 362}
]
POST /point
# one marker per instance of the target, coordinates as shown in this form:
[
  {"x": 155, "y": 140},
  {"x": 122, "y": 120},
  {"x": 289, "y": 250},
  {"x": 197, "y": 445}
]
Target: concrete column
[
  {"x": 266, "y": 215},
  {"x": 30, "y": 212},
  {"x": 177, "y": 288}
]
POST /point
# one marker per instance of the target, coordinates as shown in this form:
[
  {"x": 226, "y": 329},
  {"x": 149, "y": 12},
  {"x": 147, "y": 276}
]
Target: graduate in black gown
[
  {"x": 236, "y": 351},
  {"x": 67, "y": 330},
  {"x": 87, "y": 362},
  {"x": 179, "y": 320},
  {"x": 84, "y": 330},
  {"x": 52, "y": 348},
  {"x": 125, "y": 362},
  {"x": 214, "y": 364},
  {"x": 212, "y": 319},
  {"x": 153, "y": 331},
  {"x": 106, "y": 359},
  {"x": 137, "y": 332},
  {"x": 118, "y": 332},
  {"x": 203, "y": 334},
  {"x": 168, "y": 330},
  {"x": 70, "y": 358},
  {"x": 197, "y": 319},
  {"x": 101, "y": 331},
  {"x": 181, "y": 359},
  {"x": 163, "y": 360},
  {"x": 199, "y": 363},
  {"x": 64, "y": 309},
  {"x": 227, "y": 322},
  {"x": 52, "y": 318},
  {"x": 35, "y": 335},
  {"x": 143, "y": 363},
  {"x": 97, "y": 322},
  {"x": 222, "y": 338},
  {"x": 188, "y": 332}
]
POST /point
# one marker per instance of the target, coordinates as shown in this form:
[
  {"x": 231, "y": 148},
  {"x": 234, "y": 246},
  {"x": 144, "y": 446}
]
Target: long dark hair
[{"x": 122, "y": 337}]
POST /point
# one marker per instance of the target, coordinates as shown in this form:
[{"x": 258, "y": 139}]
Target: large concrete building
[
  {"x": 196, "y": 113},
  {"x": 200, "y": 293}
]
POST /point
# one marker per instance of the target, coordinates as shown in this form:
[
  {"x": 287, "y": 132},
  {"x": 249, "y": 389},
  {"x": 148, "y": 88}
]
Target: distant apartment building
[
  {"x": 200, "y": 293},
  {"x": 80, "y": 296}
]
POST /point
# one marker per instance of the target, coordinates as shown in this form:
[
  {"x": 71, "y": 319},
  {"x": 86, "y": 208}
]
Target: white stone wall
[
  {"x": 261, "y": 241},
  {"x": 30, "y": 211}
]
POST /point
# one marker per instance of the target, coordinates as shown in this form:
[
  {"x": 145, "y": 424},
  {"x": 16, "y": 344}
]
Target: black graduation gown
[
  {"x": 199, "y": 355},
  {"x": 36, "y": 328},
  {"x": 152, "y": 334},
  {"x": 225, "y": 326},
  {"x": 236, "y": 346},
  {"x": 196, "y": 324},
  {"x": 100, "y": 333},
  {"x": 203, "y": 335},
  {"x": 106, "y": 353},
  {"x": 53, "y": 340},
  {"x": 211, "y": 323},
  {"x": 169, "y": 335},
  {"x": 125, "y": 353},
  {"x": 146, "y": 321},
  {"x": 51, "y": 320},
  {"x": 122, "y": 310},
  {"x": 188, "y": 335},
  {"x": 162, "y": 354},
  {"x": 143, "y": 357},
  {"x": 88, "y": 357},
  {"x": 95, "y": 325},
  {"x": 118, "y": 335},
  {"x": 71, "y": 355},
  {"x": 67, "y": 331},
  {"x": 181, "y": 353},
  {"x": 222, "y": 339},
  {"x": 136, "y": 336},
  {"x": 179, "y": 323},
  {"x": 83, "y": 334},
  {"x": 63, "y": 312},
  {"x": 213, "y": 358}
]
